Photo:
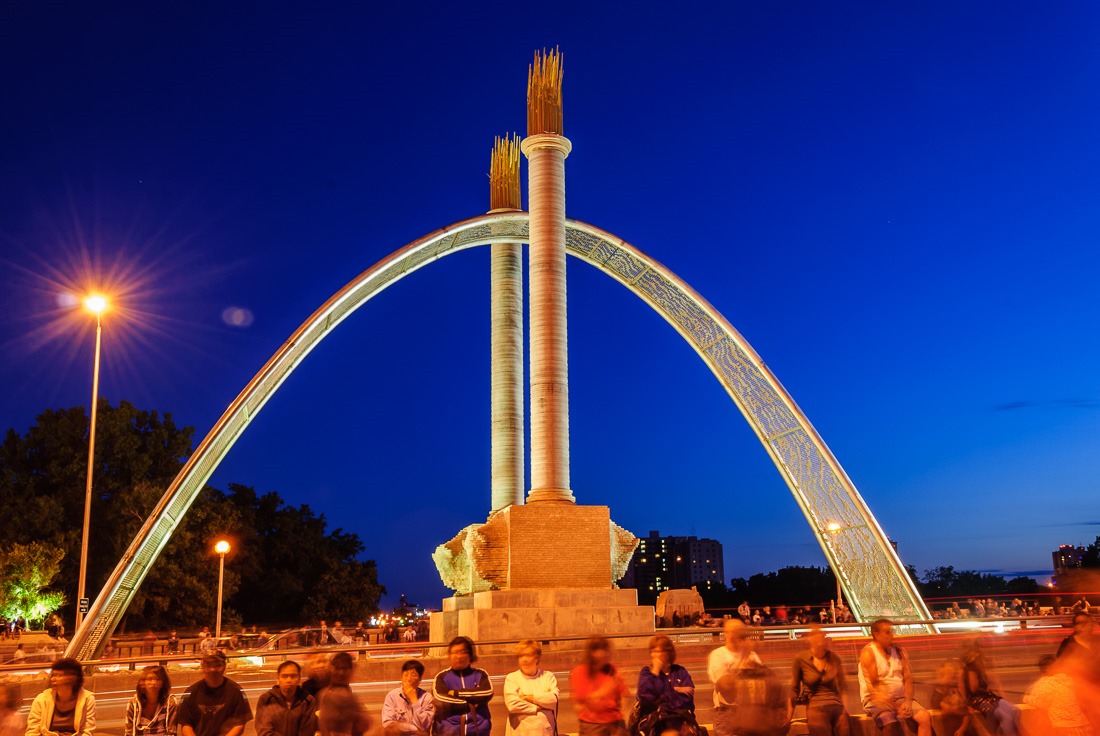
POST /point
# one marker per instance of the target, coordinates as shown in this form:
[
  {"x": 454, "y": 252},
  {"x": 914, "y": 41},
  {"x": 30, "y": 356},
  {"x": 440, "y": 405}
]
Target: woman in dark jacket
[
  {"x": 666, "y": 692},
  {"x": 817, "y": 679}
]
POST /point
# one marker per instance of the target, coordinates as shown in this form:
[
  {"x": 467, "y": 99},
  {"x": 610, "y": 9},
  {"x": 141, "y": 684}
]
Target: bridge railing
[{"x": 274, "y": 653}]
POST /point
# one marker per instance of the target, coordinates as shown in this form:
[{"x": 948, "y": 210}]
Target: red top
[{"x": 607, "y": 708}]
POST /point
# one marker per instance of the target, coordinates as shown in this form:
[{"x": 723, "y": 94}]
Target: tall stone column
[
  {"x": 506, "y": 284},
  {"x": 546, "y": 149},
  {"x": 548, "y": 567}
]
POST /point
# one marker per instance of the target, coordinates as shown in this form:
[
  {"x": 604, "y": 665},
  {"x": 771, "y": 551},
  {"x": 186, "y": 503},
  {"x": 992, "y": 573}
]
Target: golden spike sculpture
[
  {"x": 544, "y": 94},
  {"x": 504, "y": 191}
]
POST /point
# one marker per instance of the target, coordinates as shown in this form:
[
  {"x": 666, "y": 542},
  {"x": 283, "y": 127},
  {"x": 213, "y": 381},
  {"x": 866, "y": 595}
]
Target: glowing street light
[
  {"x": 221, "y": 548},
  {"x": 96, "y": 304}
]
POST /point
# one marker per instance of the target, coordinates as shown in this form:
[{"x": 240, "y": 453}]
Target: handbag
[{"x": 983, "y": 702}]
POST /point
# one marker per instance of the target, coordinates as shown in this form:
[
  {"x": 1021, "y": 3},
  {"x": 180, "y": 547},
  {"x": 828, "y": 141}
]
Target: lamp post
[
  {"x": 834, "y": 527},
  {"x": 95, "y": 304},
  {"x": 221, "y": 548}
]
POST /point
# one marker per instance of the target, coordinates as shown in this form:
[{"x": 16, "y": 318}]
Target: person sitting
[
  {"x": 666, "y": 692},
  {"x": 408, "y": 709},
  {"x": 817, "y": 678},
  {"x": 598, "y": 690},
  {"x": 65, "y": 707},
  {"x": 977, "y": 687},
  {"x": 886, "y": 684},
  {"x": 286, "y": 709},
  {"x": 462, "y": 694},
  {"x": 531, "y": 695},
  {"x": 152, "y": 709}
]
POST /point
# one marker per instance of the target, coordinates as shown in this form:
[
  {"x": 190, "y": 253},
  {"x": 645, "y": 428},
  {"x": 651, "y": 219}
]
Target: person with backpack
[{"x": 739, "y": 676}]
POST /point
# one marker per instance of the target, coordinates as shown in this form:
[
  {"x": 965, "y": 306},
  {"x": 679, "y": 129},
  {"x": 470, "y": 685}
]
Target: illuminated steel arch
[{"x": 874, "y": 580}]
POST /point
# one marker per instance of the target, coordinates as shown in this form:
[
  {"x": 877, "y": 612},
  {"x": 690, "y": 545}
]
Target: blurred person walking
[
  {"x": 598, "y": 690},
  {"x": 12, "y": 722},
  {"x": 979, "y": 688},
  {"x": 1055, "y": 694},
  {"x": 724, "y": 666},
  {"x": 339, "y": 712}
]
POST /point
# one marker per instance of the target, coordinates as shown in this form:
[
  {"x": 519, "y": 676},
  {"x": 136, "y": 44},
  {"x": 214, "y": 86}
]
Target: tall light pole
[
  {"x": 834, "y": 528},
  {"x": 221, "y": 548},
  {"x": 96, "y": 304}
]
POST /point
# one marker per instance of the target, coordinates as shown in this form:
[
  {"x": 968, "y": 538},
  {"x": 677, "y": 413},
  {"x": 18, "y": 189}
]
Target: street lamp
[
  {"x": 96, "y": 304},
  {"x": 834, "y": 527},
  {"x": 221, "y": 548}
]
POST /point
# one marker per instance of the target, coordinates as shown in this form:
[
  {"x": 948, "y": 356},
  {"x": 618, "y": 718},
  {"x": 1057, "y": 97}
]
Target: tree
[
  {"x": 282, "y": 556},
  {"x": 1024, "y": 586},
  {"x": 279, "y": 582},
  {"x": 938, "y": 582},
  {"x": 1091, "y": 557},
  {"x": 25, "y": 571},
  {"x": 42, "y": 474},
  {"x": 716, "y": 595},
  {"x": 793, "y": 585}
]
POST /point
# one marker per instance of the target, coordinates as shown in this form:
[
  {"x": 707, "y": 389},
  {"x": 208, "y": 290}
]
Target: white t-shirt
[{"x": 722, "y": 662}]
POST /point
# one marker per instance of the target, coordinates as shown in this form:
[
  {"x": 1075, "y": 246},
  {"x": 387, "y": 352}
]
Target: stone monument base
[
  {"x": 543, "y": 545},
  {"x": 495, "y": 615}
]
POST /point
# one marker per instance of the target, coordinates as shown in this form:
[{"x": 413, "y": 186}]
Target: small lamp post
[
  {"x": 834, "y": 528},
  {"x": 221, "y": 548}
]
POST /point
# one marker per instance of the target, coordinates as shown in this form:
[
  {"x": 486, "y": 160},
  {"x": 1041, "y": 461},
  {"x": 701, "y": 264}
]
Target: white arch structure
[{"x": 874, "y": 580}]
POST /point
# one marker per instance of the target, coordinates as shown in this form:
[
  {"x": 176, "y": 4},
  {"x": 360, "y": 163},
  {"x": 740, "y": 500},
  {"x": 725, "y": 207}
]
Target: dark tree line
[
  {"x": 814, "y": 586},
  {"x": 286, "y": 566},
  {"x": 947, "y": 582}
]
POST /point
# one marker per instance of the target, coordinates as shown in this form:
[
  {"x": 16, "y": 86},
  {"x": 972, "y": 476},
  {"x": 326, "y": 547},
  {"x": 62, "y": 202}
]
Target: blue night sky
[{"x": 895, "y": 204}]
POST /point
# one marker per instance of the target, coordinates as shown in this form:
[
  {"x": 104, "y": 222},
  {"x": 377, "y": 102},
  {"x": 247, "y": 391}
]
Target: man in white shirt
[
  {"x": 886, "y": 683},
  {"x": 723, "y": 666}
]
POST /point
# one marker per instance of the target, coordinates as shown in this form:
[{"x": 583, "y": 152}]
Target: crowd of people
[
  {"x": 783, "y": 615},
  {"x": 12, "y": 629},
  {"x": 750, "y": 699},
  {"x": 321, "y": 635},
  {"x": 1016, "y": 608}
]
